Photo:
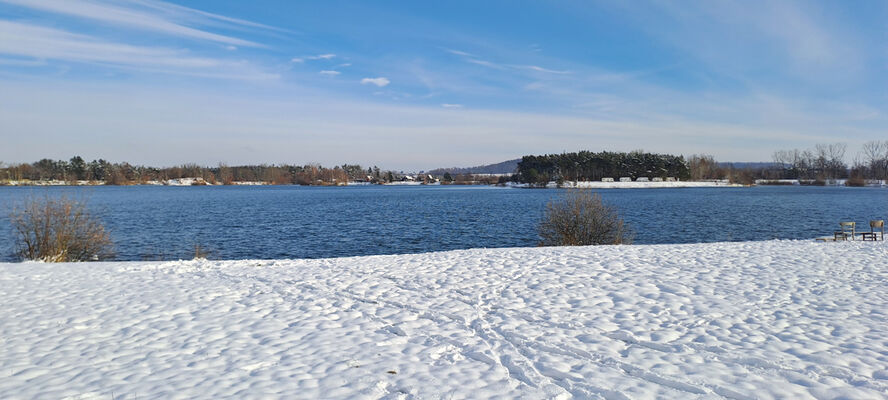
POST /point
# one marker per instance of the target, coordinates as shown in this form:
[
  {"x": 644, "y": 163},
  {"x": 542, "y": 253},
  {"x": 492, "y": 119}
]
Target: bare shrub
[
  {"x": 60, "y": 230},
  {"x": 581, "y": 218}
]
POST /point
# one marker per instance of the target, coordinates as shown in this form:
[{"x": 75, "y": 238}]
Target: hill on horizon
[
  {"x": 505, "y": 167},
  {"x": 748, "y": 164}
]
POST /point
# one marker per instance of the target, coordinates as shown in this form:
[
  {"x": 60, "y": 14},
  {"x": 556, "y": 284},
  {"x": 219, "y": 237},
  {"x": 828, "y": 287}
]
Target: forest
[{"x": 589, "y": 166}]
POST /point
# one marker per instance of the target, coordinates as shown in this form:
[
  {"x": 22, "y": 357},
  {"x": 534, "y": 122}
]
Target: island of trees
[
  {"x": 817, "y": 166},
  {"x": 589, "y": 166}
]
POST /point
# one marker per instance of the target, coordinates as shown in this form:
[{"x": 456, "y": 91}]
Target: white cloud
[
  {"x": 42, "y": 43},
  {"x": 471, "y": 58},
  {"x": 448, "y": 105},
  {"x": 131, "y": 125},
  {"x": 541, "y": 69},
  {"x": 22, "y": 63},
  {"x": 459, "y": 53},
  {"x": 309, "y": 58},
  {"x": 161, "y": 125},
  {"x": 343, "y": 65},
  {"x": 788, "y": 37},
  {"x": 487, "y": 64},
  {"x": 177, "y": 12},
  {"x": 128, "y": 17},
  {"x": 329, "y": 73},
  {"x": 376, "y": 81}
]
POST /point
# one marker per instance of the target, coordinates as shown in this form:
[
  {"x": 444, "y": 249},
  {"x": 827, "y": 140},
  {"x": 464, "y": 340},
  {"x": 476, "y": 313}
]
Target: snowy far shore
[
  {"x": 642, "y": 184},
  {"x": 774, "y": 319}
]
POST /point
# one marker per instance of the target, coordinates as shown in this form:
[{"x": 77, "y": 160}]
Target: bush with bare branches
[
  {"x": 581, "y": 218},
  {"x": 60, "y": 230}
]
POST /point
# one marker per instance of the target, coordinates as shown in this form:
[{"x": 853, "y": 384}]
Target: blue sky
[{"x": 418, "y": 85}]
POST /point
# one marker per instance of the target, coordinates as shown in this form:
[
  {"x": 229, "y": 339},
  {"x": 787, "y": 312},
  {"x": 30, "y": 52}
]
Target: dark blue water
[{"x": 232, "y": 222}]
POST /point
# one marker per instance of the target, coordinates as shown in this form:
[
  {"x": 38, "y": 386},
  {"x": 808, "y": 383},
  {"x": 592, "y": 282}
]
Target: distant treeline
[
  {"x": 589, "y": 166},
  {"x": 77, "y": 169},
  {"x": 822, "y": 163}
]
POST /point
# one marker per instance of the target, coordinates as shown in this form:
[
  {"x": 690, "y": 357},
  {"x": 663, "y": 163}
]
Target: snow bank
[
  {"x": 777, "y": 319},
  {"x": 648, "y": 184},
  {"x": 633, "y": 184}
]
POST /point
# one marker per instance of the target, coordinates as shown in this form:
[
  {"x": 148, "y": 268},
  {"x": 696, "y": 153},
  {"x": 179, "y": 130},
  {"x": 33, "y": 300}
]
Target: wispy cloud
[
  {"x": 140, "y": 128},
  {"x": 129, "y": 17},
  {"x": 182, "y": 13},
  {"x": 42, "y": 43},
  {"x": 458, "y": 52},
  {"x": 312, "y": 58},
  {"x": 381, "y": 81},
  {"x": 22, "y": 63},
  {"x": 484, "y": 63},
  {"x": 789, "y": 37},
  {"x": 329, "y": 72},
  {"x": 470, "y": 58},
  {"x": 541, "y": 69},
  {"x": 448, "y": 105}
]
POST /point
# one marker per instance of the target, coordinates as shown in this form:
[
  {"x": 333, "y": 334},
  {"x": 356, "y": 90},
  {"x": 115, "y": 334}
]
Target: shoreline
[{"x": 550, "y": 185}]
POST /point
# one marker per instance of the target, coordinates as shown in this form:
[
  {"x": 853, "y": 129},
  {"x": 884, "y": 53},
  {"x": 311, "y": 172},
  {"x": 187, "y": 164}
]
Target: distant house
[
  {"x": 642, "y": 179},
  {"x": 607, "y": 179},
  {"x": 670, "y": 179},
  {"x": 625, "y": 179},
  {"x": 656, "y": 179}
]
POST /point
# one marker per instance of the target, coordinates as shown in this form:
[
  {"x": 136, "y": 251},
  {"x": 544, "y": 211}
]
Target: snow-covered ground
[
  {"x": 775, "y": 319},
  {"x": 634, "y": 184},
  {"x": 648, "y": 185},
  {"x": 829, "y": 182}
]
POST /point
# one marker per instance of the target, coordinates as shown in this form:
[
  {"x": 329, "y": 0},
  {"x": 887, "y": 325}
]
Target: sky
[{"x": 413, "y": 85}]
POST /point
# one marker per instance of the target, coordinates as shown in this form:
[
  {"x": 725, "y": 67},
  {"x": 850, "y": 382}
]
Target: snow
[
  {"x": 646, "y": 184},
  {"x": 828, "y": 182},
  {"x": 774, "y": 319},
  {"x": 49, "y": 183},
  {"x": 635, "y": 184}
]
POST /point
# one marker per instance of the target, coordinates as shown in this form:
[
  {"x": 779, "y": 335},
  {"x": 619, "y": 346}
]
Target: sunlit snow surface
[{"x": 775, "y": 319}]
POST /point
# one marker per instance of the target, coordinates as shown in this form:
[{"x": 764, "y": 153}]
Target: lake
[{"x": 159, "y": 222}]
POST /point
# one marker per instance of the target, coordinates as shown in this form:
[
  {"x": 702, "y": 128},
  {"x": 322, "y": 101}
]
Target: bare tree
[
  {"x": 875, "y": 155},
  {"x": 704, "y": 166},
  {"x": 830, "y": 160}
]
